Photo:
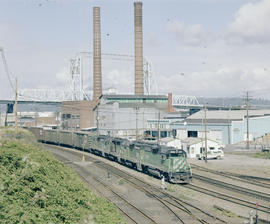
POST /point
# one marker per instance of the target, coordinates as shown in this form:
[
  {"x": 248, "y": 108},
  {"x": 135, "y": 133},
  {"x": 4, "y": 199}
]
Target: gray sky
[{"x": 196, "y": 47}]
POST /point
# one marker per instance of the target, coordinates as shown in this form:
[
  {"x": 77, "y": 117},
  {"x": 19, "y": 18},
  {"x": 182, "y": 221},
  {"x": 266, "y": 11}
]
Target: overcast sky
[{"x": 196, "y": 47}]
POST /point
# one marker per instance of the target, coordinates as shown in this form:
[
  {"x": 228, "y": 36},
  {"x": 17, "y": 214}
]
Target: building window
[
  {"x": 201, "y": 149},
  {"x": 163, "y": 134},
  {"x": 193, "y": 134}
]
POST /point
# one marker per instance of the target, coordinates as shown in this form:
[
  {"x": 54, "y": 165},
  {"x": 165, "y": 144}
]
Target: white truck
[{"x": 212, "y": 153}]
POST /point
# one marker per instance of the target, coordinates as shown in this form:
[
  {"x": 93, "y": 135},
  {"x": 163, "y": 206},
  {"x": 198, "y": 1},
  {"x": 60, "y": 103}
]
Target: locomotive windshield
[{"x": 178, "y": 154}]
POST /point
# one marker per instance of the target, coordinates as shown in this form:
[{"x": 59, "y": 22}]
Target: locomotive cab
[{"x": 179, "y": 170}]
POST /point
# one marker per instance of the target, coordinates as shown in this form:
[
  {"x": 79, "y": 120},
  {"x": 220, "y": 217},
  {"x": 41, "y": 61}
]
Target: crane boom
[{"x": 6, "y": 67}]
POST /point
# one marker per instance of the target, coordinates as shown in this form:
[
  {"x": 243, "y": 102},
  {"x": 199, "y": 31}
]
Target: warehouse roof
[
  {"x": 227, "y": 114},
  {"x": 131, "y": 101},
  {"x": 132, "y": 96},
  {"x": 168, "y": 139},
  {"x": 192, "y": 140}
]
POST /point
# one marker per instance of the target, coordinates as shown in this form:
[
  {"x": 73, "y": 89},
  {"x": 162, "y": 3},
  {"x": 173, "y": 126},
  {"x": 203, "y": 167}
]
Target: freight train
[{"x": 153, "y": 159}]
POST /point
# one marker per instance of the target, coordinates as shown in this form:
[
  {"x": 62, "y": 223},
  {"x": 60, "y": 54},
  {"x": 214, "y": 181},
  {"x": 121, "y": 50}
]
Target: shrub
[{"x": 36, "y": 188}]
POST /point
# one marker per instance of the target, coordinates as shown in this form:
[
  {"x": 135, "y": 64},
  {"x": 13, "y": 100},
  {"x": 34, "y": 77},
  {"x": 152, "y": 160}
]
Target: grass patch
[
  {"x": 224, "y": 212},
  {"x": 150, "y": 178},
  {"x": 36, "y": 188},
  {"x": 170, "y": 187},
  {"x": 262, "y": 155},
  {"x": 121, "y": 182},
  {"x": 184, "y": 194}
]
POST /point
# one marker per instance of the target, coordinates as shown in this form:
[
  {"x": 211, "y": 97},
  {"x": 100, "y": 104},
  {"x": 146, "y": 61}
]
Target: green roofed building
[{"x": 127, "y": 115}]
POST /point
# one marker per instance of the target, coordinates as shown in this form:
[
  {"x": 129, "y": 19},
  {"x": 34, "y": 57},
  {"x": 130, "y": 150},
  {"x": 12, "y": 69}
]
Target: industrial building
[
  {"x": 225, "y": 127},
  {"x": 28, "y": 119},
  {"x": 79, "y": 114},
  {"x": 196, "y": 146},
  {"x": 127, "y": 115},
  {"x": 169, "y": 141},
  {"x": 158, "y": 128}
]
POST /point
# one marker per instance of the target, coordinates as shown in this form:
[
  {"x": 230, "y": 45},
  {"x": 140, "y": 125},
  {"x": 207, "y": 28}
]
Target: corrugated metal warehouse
[{"x": 226, "y": 127}]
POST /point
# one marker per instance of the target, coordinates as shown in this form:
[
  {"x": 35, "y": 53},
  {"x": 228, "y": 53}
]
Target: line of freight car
[{"x": 156, "y": 160}]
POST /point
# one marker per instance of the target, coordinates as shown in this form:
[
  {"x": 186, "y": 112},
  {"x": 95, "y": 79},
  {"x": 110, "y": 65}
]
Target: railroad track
[
  {"x": 261, "y": 180},
  {"x": 125, "y": 207},
  {"x": 225, "y": 197},
  {"x": 258, "y": 181},
  {"x": 188, "y": 212},
  {"x": 161, "y": 195},
  {"x": 228, "y": 198},
  {"x": 235, "y": 188},
  {"x": 140, "y": 211},
  {"x": 230, "y": 187}
]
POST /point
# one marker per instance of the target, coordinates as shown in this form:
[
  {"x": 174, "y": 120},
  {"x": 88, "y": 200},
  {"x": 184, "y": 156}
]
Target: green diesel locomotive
[{"x": 156, "y": 160}]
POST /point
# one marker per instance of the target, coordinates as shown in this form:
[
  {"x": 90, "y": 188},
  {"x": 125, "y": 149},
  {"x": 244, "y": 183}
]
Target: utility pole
[
  {"x": 158, "y": 127},
  {"x": 36, "y": 115},
  {"x": 57, "y": 120},
  {"x": 247, "y": 99},
  {"x": 16, "y": 105},
  {"x": 97, "y": 121},
  {"x": 137, "y": 109},
  {"x": 229, "y": 127},
  {"x": 84, "y": 143},
  {"x": 143, "y": 124},
  {"x": 205, "y": 133}
]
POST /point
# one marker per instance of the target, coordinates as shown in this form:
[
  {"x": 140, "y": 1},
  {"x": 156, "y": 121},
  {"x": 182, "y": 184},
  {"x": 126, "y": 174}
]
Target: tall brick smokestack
[
  {"x": 139, "y": 79},
  {"x": 97, "y": 77},
  {"x": 170, "y": 103}
]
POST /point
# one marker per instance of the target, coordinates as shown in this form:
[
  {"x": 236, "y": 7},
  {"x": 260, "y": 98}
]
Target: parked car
[{"x": 265, "y": 148}]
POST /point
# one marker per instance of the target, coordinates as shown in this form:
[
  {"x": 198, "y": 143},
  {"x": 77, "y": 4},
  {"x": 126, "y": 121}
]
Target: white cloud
[
  {"x": 226, "y": 81},
  {"x": 62, "y": 76},
  {"x": 192, "y": 35},
  {"x": 211, "y": 67},
  {"x": 152, "y": 40},
  {"x": 251, "y": 23},
  {"x": 120, "y": 79}
]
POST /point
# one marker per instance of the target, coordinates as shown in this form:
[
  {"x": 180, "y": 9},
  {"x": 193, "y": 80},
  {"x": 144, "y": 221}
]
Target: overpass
[
  {"x": 57, "y": 103},
  {"x": 192, "y": 103}
]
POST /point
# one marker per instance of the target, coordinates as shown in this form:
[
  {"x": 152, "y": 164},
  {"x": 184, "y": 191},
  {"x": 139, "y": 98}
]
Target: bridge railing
[{"x": 185, "y": 100}]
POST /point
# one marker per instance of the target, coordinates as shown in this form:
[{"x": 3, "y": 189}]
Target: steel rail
[
  {"x": 66, "y": 161},
  {"x": 146, "y": 187},
  {"x": 238, "y": 189},
  {"x": 234, "y": 176},
  {"x": 228, "y": 198},
  {"x": 122, "y": 198}
]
